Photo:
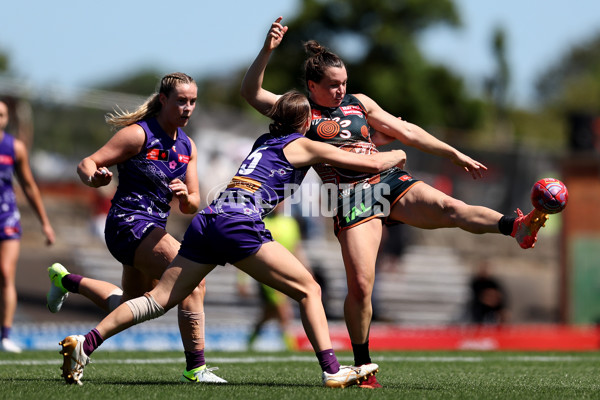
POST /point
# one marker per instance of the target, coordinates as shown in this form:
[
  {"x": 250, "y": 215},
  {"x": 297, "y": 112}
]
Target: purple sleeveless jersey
[
  {"x": 10, "y": 227},
  {"x": 263, "y": 180},
  {"x": 231, "y": 228},
  {"x": 143, "y": 197}
]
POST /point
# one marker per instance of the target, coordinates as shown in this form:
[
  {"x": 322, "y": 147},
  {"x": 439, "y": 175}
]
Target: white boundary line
[{"x": 258, "y": 359}]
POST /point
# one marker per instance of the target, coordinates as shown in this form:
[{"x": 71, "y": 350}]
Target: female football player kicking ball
[
  {"x": 357, "y": 123},
  {"x": 231, "y": 230}
]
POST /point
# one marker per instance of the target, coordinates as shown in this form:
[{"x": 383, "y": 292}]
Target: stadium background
[
  {"x": 553, "y": 289},
  {"x": 421, "y": 301}
]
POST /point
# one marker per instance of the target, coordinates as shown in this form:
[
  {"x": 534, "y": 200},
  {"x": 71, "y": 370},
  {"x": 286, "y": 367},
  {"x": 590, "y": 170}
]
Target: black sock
[
  {"x": 506, "y": 225},
  {"x": 361, "y": 353}
]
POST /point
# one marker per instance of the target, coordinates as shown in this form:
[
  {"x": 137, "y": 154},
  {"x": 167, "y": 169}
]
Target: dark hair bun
[{"x": 314, "y": 48}]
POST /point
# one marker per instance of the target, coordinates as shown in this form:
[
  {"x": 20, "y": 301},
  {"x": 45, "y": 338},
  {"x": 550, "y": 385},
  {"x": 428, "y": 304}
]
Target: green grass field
[{"x": 405, "y": 375}]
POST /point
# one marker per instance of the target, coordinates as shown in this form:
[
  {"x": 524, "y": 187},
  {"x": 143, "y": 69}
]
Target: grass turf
[{"x": 405, "y": 375}]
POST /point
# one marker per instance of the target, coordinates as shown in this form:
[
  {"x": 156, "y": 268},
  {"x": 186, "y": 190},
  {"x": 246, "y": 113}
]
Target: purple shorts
[
  {"x": 10, "y": 231},
  {"x": 223, "y": 238},
  {"x": 123, "y": 237}
]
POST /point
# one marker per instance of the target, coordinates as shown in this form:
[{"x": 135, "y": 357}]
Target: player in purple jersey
[
  {"x": 231, "y": 230},
  {"x": 156, "y": 162},
  {"x": 357, "y": 123},
  {"x": 14, "y": 160}
]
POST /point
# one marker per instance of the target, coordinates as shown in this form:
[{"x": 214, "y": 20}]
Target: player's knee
[
  {"x": 307, "y": 291},
  {"x": 361, "y": 288},
  {"x": 198, "y": 292},
  {"x": 453, "y": 209},
  {"x": 314, "y": 289},
  {"x": 202, "y": 287}
]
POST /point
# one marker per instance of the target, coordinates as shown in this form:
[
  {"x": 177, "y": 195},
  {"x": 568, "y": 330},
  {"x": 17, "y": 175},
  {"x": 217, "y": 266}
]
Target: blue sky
[
  {"x": 539, "y": 33},
  {"x": 73, "y": 43}
]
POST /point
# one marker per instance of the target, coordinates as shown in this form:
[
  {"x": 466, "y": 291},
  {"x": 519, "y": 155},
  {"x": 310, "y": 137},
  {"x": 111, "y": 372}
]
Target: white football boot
[
  {"x": 9, "y": 346},
  {"x": 74, "y": 359},
  {"x": 200, "y": 375},
  {"x": 348, "y": 375}
]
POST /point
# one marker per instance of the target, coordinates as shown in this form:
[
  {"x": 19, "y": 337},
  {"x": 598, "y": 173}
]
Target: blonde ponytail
[{"x": 152, "y": 106}]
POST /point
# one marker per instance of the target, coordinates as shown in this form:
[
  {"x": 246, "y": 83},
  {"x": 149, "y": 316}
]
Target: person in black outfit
[{"x": 488, "y": 298}]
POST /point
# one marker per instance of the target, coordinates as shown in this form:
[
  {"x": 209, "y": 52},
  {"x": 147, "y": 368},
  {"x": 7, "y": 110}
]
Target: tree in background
[
  {"x": 497, "y": 89},
  {"x": 573, "y": 83},
  {"x": 378, "y": 41},
  {"x": 141, "y": 83},
  {"x": 3, "y": 62},
  {"x": 568, "y": 88},
  {"x": 73, "y": 131}
]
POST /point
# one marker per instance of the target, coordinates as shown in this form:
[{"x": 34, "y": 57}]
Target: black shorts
[{"x": 365, "y": 201}]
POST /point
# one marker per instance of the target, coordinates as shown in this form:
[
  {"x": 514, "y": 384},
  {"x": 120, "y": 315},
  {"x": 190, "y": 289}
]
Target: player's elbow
[
  {"x": 249, "y": 93},
  {"x": 380, "y": 167},
  {"x": 191, "y": 206},
  {"x": 377, "y": 166},
  {"x": 245, "y": 93},
  {"x": 380, "y": 139},
  {"x": 188, "y": 208}
]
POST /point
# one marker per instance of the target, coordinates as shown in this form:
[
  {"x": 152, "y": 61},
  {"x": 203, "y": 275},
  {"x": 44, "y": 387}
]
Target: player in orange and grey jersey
[
  {"x": 359, "y": 197},
  {"x": 345, "y": 127},
  {"x": 396, "y": 198}
]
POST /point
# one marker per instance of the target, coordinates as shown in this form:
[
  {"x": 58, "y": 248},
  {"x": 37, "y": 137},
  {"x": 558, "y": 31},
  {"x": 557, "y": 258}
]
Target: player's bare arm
[
  {"x": 31, "y": 190},
  {"x": 252, "y": 91},
  {"x": 303, "y": 152},
  {"x": 126, "y": 143},
  {"x": 188, "y": 192},
  {"x": 415, "y": 136}
]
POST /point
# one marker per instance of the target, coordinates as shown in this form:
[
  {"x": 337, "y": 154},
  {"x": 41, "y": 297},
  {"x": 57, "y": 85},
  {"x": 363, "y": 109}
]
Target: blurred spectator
[
  {"x": 318, "y": 272},
  {"x": 488, "y": 304},
  {"x": 392, "y": 247},
  {"x": 393, "y": 244},
  {"x": 308, "y": 207},
  {"x": 14, "y": 160},
  {"x": 274, "y": 304}
]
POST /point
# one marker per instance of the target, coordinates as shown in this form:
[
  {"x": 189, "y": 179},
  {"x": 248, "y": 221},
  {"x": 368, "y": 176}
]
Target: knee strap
[{"x": 144, "y": 308}]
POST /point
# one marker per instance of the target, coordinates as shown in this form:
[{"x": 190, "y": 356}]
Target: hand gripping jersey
[
  {"x": 345, "y": 127},
  {"x": 263, "y": 180},
  {"x": 10, "y": 227},
  {"x": 143, "y": 191}
]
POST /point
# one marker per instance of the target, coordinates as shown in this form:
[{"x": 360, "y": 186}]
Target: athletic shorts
[
  {"x": 223, "y": 238},
  {"x": 363, "y": 202},
  {"x": 10, "y": 229},
  {"x": 123, "y": 236}
]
